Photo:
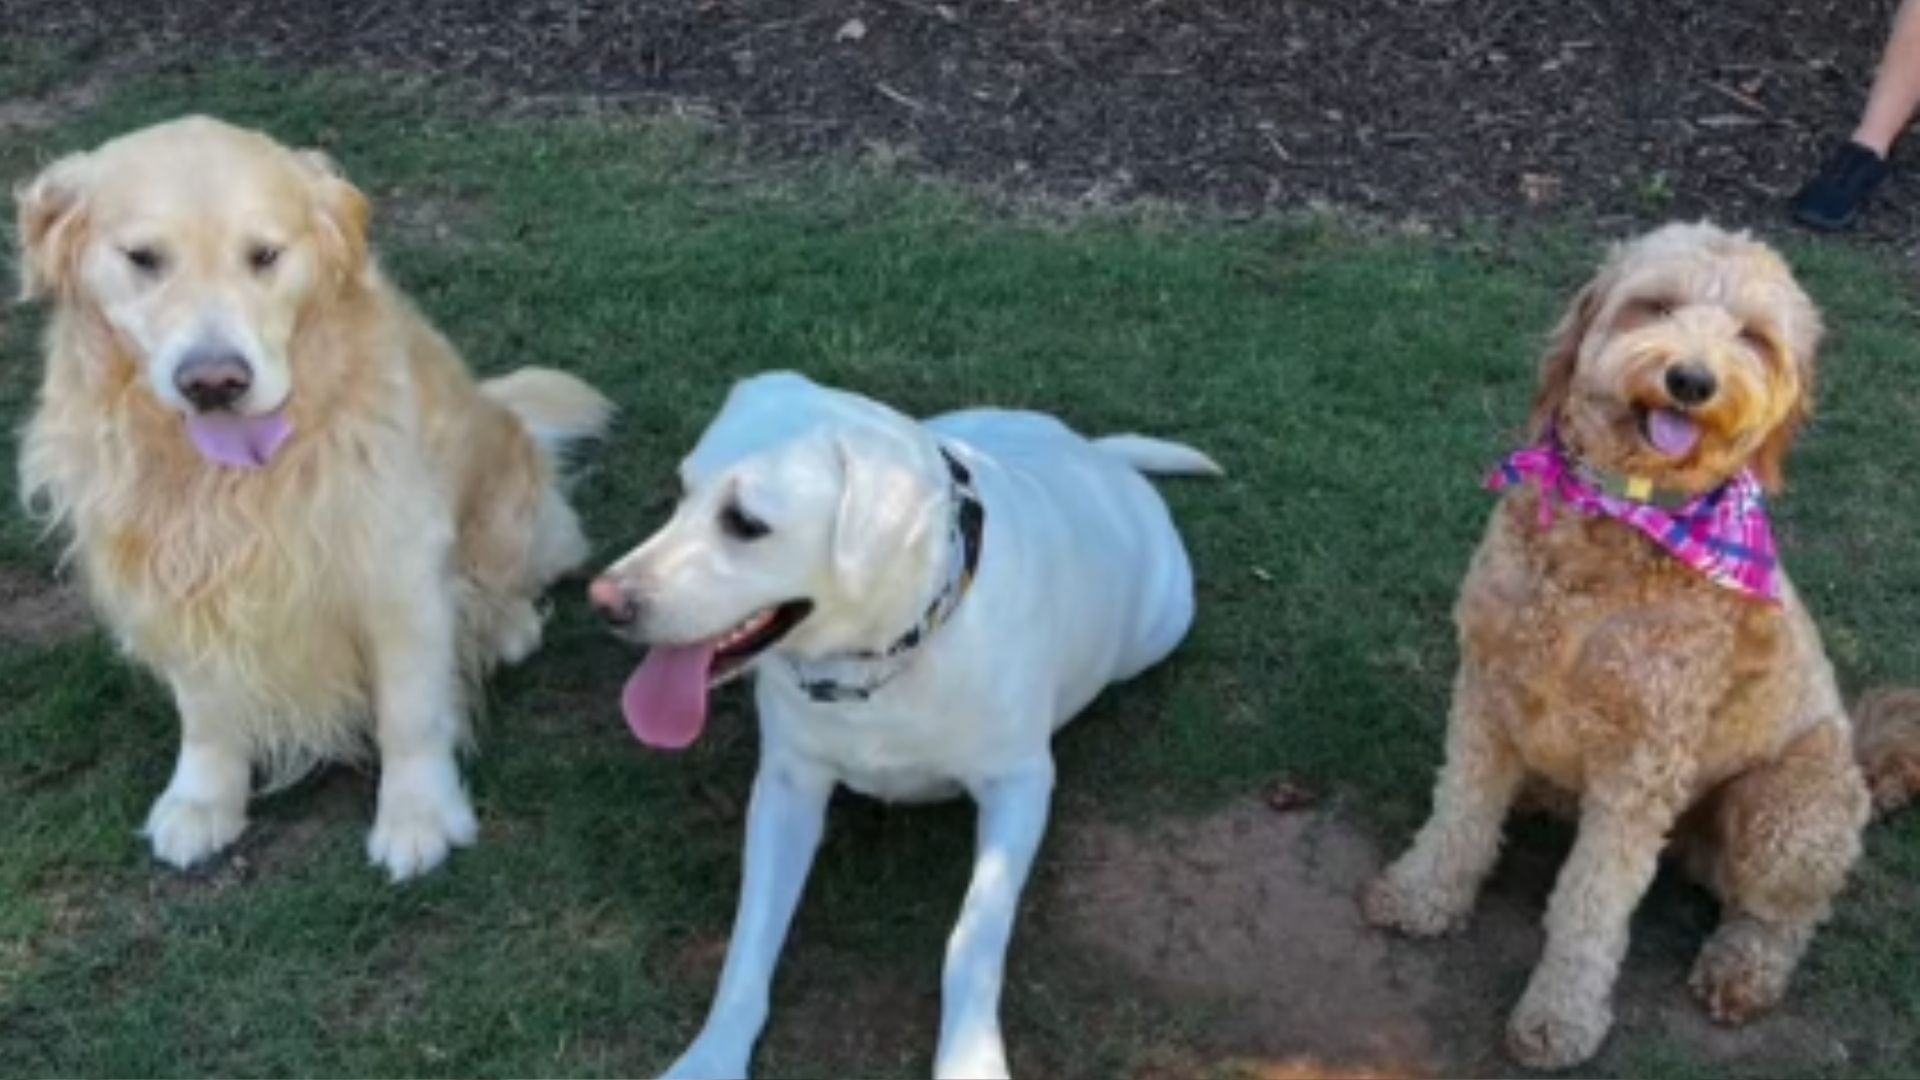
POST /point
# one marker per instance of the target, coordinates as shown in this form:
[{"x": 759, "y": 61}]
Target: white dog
[{"x": 923, "y": 605}]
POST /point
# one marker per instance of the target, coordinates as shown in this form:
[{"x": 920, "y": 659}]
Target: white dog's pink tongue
[
  {"x": 1672, "y": 433},
  {"x": 239, "y": 442},
  {"x": 666, "y": 699}
]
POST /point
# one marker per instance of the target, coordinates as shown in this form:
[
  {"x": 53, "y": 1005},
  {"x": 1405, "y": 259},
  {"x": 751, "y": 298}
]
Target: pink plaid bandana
[{"x": 1723, "y": 534}]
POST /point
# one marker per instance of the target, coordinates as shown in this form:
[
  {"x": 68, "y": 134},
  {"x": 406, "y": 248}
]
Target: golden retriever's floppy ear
[
  {"x": 885, "y": 508},
  {"x": 341, "y": 214},
  {"x": 1561, "y": 358},
  {"x": 53, "y": 226}
]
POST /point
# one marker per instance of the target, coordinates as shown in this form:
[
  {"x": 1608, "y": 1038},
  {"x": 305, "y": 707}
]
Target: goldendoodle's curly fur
[{"x": 1664, "y": 706}]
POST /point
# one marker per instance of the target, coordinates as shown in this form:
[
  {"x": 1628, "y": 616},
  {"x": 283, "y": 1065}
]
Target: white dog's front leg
[
  {"x": 784, "y": 820},
  {"x": 205, "y": 805},
  {"x": 1013, "y": 818},
  {"x": 423, "y": 811}
]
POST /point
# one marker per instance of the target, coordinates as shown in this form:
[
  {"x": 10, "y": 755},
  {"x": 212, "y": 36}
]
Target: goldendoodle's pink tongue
[
  {"x": 1672, "y": 433},
  {"x": 666, "y": 699},
  {"x": 240, "y": 442}
]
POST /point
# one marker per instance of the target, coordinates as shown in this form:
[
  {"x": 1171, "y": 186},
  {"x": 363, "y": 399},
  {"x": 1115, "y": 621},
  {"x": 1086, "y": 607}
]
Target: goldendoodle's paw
[
  {"x": 184, "y": 830},
  {"x": 1392, "y": 904},
  {"x": 1742, "y": 971},
  {"x": 1554, "y": 1030}
]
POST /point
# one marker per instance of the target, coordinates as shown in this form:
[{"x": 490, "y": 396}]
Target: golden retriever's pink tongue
[
  {"x": 666, "y": 699},
  {"x": 1672, "y": 433},
  {"x": 239, "y": 442}
]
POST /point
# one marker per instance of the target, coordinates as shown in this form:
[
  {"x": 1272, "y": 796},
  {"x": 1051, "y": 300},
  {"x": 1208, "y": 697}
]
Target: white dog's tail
[
  {"x": 1151, "y": 455},
  {"x": 556, "y": 408}
]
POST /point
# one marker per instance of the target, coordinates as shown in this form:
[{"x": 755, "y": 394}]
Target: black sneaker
[{"x": 1834, "y": 197}]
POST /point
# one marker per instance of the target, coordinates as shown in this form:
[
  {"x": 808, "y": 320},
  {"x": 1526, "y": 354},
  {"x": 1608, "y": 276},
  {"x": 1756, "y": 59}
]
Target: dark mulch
[{"x": 1629, "y": 110}]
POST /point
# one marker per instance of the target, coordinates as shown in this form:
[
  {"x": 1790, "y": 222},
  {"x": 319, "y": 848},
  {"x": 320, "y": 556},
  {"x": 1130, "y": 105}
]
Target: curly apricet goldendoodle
[{"x": 1629, "y": 642}]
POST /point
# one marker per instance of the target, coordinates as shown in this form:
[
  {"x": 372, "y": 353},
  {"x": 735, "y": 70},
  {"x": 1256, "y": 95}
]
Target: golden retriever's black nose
[
  {"x": 213, "y": 380},
  {"x": 1691, "y": 385},
  {"x": 612, "y": 602}
]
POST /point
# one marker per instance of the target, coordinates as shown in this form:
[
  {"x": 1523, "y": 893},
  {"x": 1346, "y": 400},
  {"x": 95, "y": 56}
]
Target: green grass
[{"x": 1354, "y": 382}]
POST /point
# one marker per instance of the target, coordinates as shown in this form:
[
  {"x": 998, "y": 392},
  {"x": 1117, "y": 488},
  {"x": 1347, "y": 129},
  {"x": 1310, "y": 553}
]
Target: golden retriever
[
  {"x": 1661, "y": 700},
  {"x": 284, "y": 490}
]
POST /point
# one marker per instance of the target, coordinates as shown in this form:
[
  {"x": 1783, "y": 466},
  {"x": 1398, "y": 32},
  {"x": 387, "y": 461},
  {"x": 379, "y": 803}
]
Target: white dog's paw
[
  {"x": 518, "y": 634},
  {"x": 703, "y": 1062},
  {"x": 981, "y": 1057},
  {"x": 185, "y": 830},
  {"x": 423, "y": 815}
]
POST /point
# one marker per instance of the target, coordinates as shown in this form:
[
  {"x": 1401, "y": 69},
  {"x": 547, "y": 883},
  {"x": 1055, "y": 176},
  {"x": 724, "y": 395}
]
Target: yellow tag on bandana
[{"x": 1639, "y": 488}]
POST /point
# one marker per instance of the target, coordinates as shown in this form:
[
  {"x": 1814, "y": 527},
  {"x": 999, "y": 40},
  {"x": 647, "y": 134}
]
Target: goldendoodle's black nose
[
  {"x": 213, "y": 379},
  {"x": 1691, "y": 385}
]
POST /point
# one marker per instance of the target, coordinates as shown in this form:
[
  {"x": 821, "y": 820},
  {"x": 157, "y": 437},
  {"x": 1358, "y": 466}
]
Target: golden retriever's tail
[
  {"x": 556, "y": 408},
  {"x": 1886, "y": 740},
  {"x": 1151, "y": 455}
]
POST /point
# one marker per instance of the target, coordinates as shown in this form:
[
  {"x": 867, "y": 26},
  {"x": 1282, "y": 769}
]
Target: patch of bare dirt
[
  {"x": 425, "y": 219},
  {"x": 1253, "y": 911},
  {"x": 65, "y": 907},
  {"x": 852, "y": 1010},
  {"x": 1250, "y": 915},
  {"x": 37, "y": 610},
  {"x": 1631, "y": 110},
  {"x": 20, "y": 115},
  {"x": 285, "y": 830}
]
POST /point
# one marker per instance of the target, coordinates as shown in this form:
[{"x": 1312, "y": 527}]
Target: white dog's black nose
[
  {"x": 213, "y": 379},
  {"x": 1690, "y": 384},
  {"x": 612, "y": 602}
]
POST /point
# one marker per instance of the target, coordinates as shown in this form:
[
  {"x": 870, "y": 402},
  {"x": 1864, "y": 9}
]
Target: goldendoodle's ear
[
  {"x": 1769, "y": 461},
  {"x": 340, "y": 217},
  {"x": 1803, "y": 331},
  {"x": 53, "y": 226},
  {"x": 1562, "y": 356}
]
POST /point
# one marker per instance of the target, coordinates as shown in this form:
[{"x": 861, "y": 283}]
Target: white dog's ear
[
  {"x": 886, "y": 507},
  {"x": 340, "y": 213},
  {"x": 53, "y": 226}
]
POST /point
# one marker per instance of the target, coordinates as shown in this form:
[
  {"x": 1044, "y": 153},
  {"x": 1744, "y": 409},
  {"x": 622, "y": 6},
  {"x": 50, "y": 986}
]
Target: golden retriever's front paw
[
  {"x": 421, "y": 818},
  {"x": 1553, "y": 1028},
  {"x": 184, "y": 830},
  {"x": 1392, "y": 903},
  {"x": 518, "y": 635},
  {"x": 1742, "y": 971}
]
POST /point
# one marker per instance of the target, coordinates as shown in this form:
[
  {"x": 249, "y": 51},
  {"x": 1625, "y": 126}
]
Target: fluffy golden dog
[
  {"x": 1663, "y": 704},
  {"x": 284, "y": 490}
]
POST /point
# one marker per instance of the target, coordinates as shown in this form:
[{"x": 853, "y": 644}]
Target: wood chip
[{"x": 1286, "y": 795}]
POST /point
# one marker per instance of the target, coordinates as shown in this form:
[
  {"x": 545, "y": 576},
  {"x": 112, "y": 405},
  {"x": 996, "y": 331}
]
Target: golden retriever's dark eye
[
  {"x": 146, "y": 259},
  {"x": 741, "y": 525},
  {"x": 1756, "y": 339},
  {"x": 262, "y": 257},
  {"x": 1642, "y": 312}
]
